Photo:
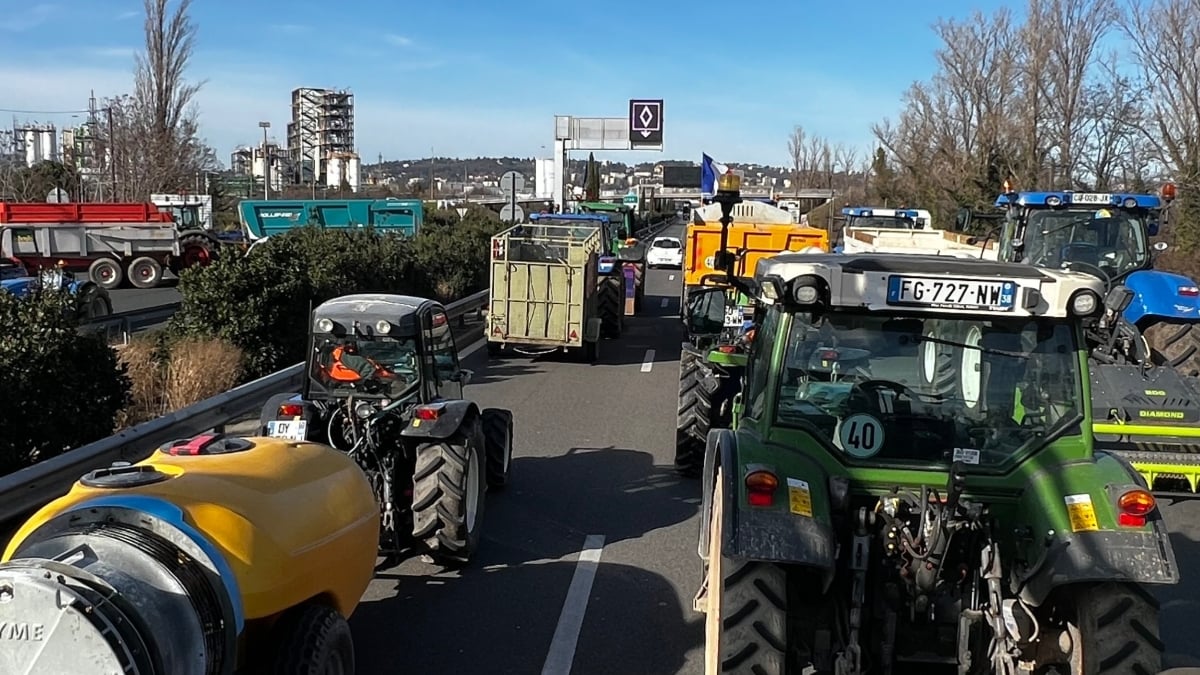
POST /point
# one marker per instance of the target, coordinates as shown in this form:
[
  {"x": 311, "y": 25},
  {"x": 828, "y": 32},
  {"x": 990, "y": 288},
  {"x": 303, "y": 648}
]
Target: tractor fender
[
  {"x": 1108, "y": 551},
  {"x": 1156, "y": 296},
  {"x": 776, "y": 533},
  {"x": 207, "y": 234},
  {"x": 451, "y": 418}
]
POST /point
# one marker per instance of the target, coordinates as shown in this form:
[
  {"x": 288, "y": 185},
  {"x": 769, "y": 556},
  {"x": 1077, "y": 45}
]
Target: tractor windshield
[
  {"x": 1107, "y": 242},
  {"x": 929, "y": 391},
  {"x": 380, "y": 367}
]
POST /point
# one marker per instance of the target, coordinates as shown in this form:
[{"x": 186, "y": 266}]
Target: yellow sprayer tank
[
  {"x": 206, "y": 537},
  {"x": 760, "y": 229}
]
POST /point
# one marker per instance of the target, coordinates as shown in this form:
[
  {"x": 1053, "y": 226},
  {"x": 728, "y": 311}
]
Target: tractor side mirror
[
  {"x": 1118, "y": 299},
  {"x": 706, "y": 311},
  {"x": 723, "y": 260},
  {"x": 1160, "y": 246}
]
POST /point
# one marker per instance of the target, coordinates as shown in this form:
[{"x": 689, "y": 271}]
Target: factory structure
[{"x": 319, "y": 148}]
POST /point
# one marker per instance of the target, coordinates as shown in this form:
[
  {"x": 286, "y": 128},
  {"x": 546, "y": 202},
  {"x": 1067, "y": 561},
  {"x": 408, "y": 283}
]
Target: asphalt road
[{"x": 592, "y": 454}]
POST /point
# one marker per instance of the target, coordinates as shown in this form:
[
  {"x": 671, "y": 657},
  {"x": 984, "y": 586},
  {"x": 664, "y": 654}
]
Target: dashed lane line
[
  {"x": 566, "y": 635},
  {"x": 648, "y": 362}
]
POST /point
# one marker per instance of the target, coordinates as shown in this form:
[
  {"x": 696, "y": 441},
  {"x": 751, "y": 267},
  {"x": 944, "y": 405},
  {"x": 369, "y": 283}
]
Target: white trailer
[{"x": 877, "y": 230}]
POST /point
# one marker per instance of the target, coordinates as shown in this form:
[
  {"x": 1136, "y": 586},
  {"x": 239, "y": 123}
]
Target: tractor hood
[
  {"x": 20, "y": 287},
  {"x": 1163, "y": 295}
]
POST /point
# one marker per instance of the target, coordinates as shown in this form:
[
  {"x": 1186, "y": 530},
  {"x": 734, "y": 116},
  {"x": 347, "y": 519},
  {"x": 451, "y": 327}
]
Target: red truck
[{"x": 111, "y": 242}]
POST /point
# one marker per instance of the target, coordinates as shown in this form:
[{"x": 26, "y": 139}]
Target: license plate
[
  {"x": 734, "y": 317},
  {"x": 951, "y": 293},
  {"x": 292, "y": 430},
  {"x": 1091, "y": 198}
]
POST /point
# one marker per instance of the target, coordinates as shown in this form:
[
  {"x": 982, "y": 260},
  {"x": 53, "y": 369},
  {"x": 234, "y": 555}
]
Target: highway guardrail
[
  {"x": 120, "y": 326},
  {"x": 30, "y": 488}
]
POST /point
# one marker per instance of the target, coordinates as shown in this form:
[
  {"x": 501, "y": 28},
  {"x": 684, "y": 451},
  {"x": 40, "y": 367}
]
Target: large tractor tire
[
  {"x": 701, "y": 407},
  {"x": 1176, "y": 345},
  {"x": 498, "y": 439},
  {"x": 449, "y": 482},
  {"x": 745, "y": 622},
  {"x": 195, "y": 250},
  {"x": 1118, "y": 630},
  {"x": 938, "y": 371},
  {"x": 610, "y": 303},
  {"x": 92, "y": 303}
]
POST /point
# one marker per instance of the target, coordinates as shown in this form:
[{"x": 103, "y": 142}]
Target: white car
[{"x": 665, "y": 252}]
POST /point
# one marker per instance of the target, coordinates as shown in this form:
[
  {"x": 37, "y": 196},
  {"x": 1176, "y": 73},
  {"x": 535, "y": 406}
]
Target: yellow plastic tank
[{"x": 271, "y": 524}]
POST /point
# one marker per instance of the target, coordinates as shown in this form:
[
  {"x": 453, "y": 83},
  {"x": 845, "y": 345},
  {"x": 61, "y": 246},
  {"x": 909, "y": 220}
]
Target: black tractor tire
[
  {"x": 1176, "y": 345},
  {"x": 1119, "y": 629},
  {"x": 609, "y": 303},
  {"x": 311, "y": 640},
  {"x": 196, "y": 250},
  {"x": 442, "y": 477},
  {"x": 938, "y": 368},
  {"x": 92, "y": 304},
  {"x": 695, "y": 416},
  {"x": 498, "y": 439},
  {"x": 746, "y": 608}
]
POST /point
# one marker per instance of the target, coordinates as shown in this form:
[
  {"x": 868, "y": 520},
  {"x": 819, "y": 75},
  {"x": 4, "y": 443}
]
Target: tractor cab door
[{"x": 444, "y": 376}]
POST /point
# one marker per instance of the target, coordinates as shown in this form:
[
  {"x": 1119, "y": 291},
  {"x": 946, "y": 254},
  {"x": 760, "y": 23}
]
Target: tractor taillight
[
  {"x": 760, "y": 488},
  {"x": 291, "y": 410},
  {"x": 1135, "y": 506},
  {"x": 427, "y": 413},
  {"x": 1189, "y": 291}
]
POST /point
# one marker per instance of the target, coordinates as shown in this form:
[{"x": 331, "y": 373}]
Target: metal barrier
[
  {"x": 32, "y": 487},
  {"x": 123, "y": 325}
]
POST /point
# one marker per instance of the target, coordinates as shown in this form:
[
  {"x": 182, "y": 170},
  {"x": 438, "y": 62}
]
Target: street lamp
[
  {"x": 729, "y": 194},
  {"x": 266, "y": 163}
]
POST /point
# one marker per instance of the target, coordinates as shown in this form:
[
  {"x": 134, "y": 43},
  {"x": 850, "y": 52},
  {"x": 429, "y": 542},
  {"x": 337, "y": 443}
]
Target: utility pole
[
  {"x": 432, "y": 192},
  {"x": 266, "y": 162}
]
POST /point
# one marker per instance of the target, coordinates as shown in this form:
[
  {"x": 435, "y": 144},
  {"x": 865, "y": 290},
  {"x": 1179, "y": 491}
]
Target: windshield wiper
[{"x": 985, "y": 350}]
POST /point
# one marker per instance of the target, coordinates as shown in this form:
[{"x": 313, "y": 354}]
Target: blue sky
[{"x": 477, "y": 78}]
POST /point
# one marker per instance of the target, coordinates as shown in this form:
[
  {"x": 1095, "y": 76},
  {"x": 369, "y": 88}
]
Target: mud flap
[
  {"x": 772, "y": 535},
  {"x": 591, "y": 332},
  {"x": 1135, "y": 556}
]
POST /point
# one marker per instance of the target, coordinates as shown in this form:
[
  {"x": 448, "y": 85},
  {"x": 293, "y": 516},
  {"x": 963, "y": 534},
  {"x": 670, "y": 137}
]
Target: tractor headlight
[
  {"x": 1130, "y": 203},
  {"x": 772, "y": 288},
  {"x": 383, "y": 327},
  {"x": 806, "y": 290},
  {"x": 1053, "y": 200},
  {"x": 325, "y": 325},
  {"x": 363, "y": 410},
  {"x": 1085, "y": 303}
]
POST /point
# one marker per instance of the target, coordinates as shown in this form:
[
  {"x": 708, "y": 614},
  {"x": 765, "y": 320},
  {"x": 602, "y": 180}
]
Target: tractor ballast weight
[
  {"x": 892, "y": 493},
  {"x": 215, "y": 555},
  {"x": 1145, "y": 371}
]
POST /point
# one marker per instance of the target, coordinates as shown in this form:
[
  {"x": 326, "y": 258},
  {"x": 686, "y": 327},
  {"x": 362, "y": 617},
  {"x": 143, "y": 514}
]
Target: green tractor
[
  {"x": 875, "y": 504},
  {"x": 628, "y": 249}
]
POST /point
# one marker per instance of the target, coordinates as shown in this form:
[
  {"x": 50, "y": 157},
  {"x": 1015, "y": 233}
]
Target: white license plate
[
  {"x": 292, "y": 430},
  {"x": 1091, "y": 198},
  {"x": 734, "y": 317},
  {"x": 951, "y": 293}
]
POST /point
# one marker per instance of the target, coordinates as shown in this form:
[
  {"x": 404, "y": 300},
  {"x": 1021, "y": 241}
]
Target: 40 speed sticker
[
  {"x": 861, "y": 435},
  {"x": 1081, "y": 513}
]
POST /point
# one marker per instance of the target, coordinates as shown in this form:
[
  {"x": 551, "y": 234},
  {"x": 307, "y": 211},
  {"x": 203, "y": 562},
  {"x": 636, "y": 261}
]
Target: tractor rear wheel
[
  {"x": 610, "y": 300},
  {"x": 745, "y": 622},
  {"x": 448, "y": 495},
  {"x": 693, "y": 417},
  {"x": 1114, "y": 628},
  {"x": 498, "y": 438},
  {"x": 1176, "y": 345}
]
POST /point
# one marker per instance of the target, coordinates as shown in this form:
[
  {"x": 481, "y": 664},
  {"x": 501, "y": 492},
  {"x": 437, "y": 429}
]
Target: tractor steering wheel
[{"x": 899, "y": 390}]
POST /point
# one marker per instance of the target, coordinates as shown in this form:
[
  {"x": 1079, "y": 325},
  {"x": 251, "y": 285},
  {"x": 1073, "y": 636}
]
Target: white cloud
[
  {"x": 21, "y": 21},
  {"x": 398, "y": 40}
]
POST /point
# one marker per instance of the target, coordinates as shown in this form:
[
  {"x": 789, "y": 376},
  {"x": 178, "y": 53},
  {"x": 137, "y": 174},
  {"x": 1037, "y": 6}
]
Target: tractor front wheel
[
  {"x": 611, "y": 305},
  {"x": 1176, "y": 345}
]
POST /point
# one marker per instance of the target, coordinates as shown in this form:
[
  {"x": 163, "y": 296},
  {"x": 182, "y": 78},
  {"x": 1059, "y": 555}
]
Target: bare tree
[
  {"x": 796, "y": 151},
  {"x": 155, "y": 131},
  {"x": 1165, "y": 35}
]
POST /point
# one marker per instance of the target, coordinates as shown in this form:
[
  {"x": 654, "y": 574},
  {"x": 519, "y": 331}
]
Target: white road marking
[
  {"x": 648, "y": 362},
  {"x": 570, "y": 621},
  {"x": 671, "y": 277},
  {"x": 664, "y": 302}
]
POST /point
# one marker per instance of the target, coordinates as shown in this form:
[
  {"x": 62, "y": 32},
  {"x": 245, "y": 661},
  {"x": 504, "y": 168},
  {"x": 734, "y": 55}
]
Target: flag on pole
[{"x": 710, "y": 169}]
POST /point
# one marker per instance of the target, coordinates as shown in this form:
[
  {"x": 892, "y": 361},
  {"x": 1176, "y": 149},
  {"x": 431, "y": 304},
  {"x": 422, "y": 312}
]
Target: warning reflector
[{"x": 574, "y": 335}]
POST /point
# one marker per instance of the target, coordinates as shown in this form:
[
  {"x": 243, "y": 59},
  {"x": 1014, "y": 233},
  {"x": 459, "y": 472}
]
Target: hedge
[
  {"x": 61, "y": 390},
  {"x": 260, "y": 302}
]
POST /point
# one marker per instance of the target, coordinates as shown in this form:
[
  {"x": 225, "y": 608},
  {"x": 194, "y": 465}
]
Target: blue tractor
[
  {"x": 92, "y": 301},
  {"x": 1145, "y": 351}
]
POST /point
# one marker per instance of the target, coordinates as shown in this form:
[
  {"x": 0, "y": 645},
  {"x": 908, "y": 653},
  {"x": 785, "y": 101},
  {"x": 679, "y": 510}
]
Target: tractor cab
[
  {"x": 1102, "y": 234},
  {"x": 382, "y": 349}
]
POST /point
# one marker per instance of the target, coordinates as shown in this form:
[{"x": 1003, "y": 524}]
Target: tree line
[{"x": 1090, "y": 95}]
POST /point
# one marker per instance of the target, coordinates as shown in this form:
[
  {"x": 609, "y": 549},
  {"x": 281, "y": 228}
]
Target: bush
[
  {"x": 61, "y": 390},
  {"x": 162, "y": 379},
  {"x": 261, "y": 302}
]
